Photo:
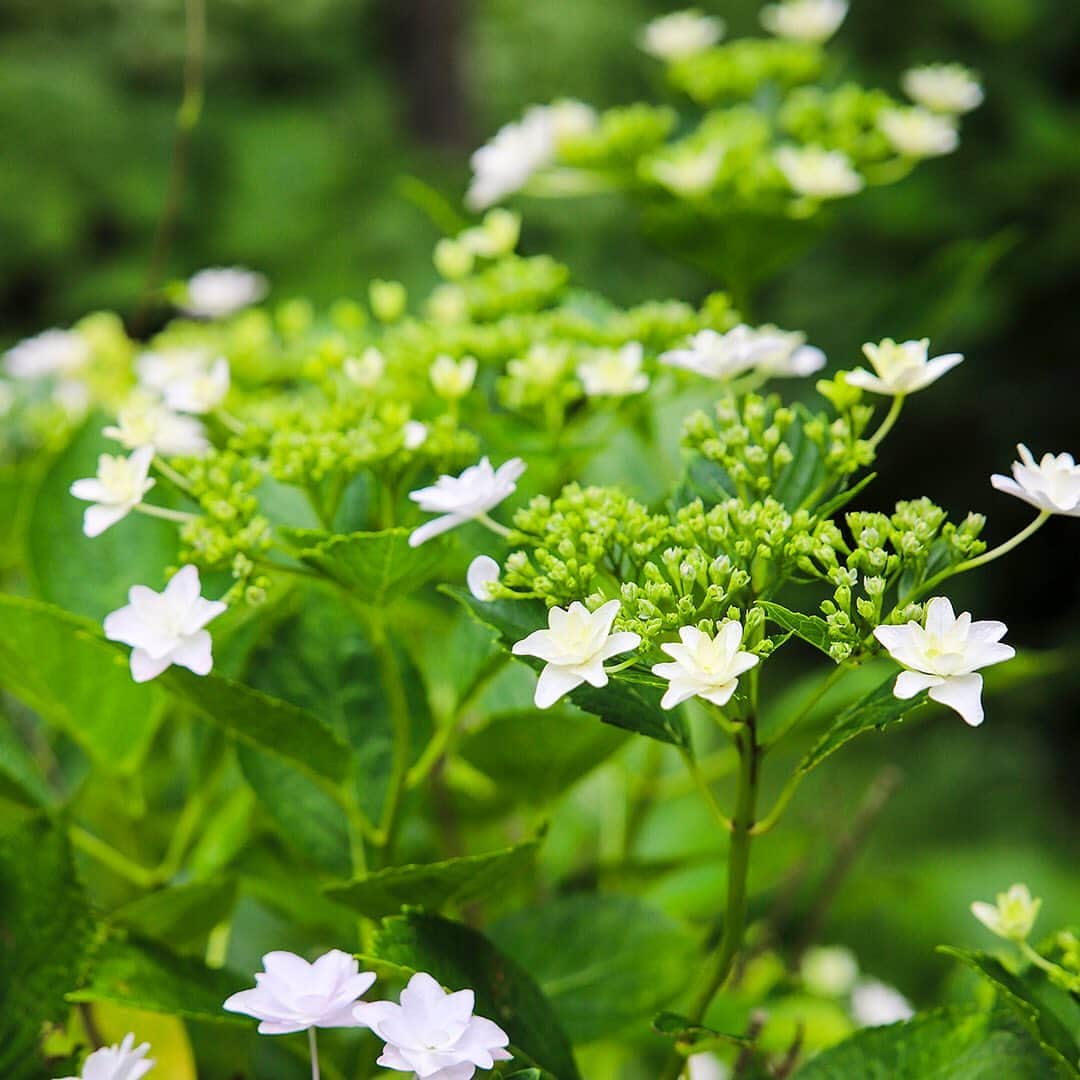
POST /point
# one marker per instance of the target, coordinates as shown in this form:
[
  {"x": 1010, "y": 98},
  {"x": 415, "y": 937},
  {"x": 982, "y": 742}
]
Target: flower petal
[
  {"x": 963, "y": 693},
  {"x": 554, "y": 683}
]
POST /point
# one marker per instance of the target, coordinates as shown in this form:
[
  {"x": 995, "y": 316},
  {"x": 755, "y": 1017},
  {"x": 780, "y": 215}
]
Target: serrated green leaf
[
  {"x": 144, "y": 975},
  {"x": 376, "y": 567},
  {"x": 812, "y": 629},
  {"x": 459, "y": 957},
  {"x": 433, "y": 885},
  {"x": 179, "y": 915},
  {"x": 617, "y": 963}
]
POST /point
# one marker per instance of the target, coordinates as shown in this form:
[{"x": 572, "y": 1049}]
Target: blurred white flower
[
  {"x": 201, "y": 392},
  {"x": 415, "y": 434},
  {"x": 118, "y": 488},
  {"x": 818, "y": 173},
  {"x": 293, "y": 995},
  {"x": 829, "y": 970},
  {"x": 73, "y": 398},
  {"x": 804, "y": 20},
  {"x": 464, "y": 498},
  {"x": 52, "y": 352},
  {"x": 223, "y": 290},
  {"x": 123, "y": 1061},
  {"x": 159, "y": 369},
  {"x": 482, "y": 573},
  {"x": 568, "y": 119},
  {"x": 944, "y": 655},
  {"x": 367, "y": 369},
  {"x": 901, "y": 368},
  {"x": 1012, "y": 917},
  {"x": 680, "y": 34},
  {"x": 944, "y": 88},
  {"x": 166, "y": 628},
  {"x": 715, "y": 355},
  {"x": 614, "y": 372},
  {"x": 873, "y": 1004},
  {"x": 706, "y": 1067},
  {"x": 574, "y": 648},
  {"x": 452, "y": 379},
  {"x": 505, "y": 164},
  {"x": 916, "y": 132},
  {"x": 432, "y": 1033},
  {"x": 1052, "y": 484},
  {"x": 145, "y": 422},
  {"x": 785, "y": 354},
  {"x": 704, "y": 667},
  {"x": 688, "y": 173}
]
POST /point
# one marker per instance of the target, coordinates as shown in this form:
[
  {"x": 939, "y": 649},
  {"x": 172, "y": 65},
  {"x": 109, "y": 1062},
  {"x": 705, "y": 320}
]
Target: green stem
[
  {"x": 171, "y": 475},
  {"x": 142, "y": 876},
  {"x": 887, "y": 424},
  {"x": 702, "y": 785},
  {"x": 182, "y": 517},
  {"x": 799, "y": 715},
  {"x": 390, "y": 672},
  {"x": 494, "y": 526}
]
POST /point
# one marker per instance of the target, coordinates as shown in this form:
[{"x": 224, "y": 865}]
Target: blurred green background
[{"x": 316, "y": 110}]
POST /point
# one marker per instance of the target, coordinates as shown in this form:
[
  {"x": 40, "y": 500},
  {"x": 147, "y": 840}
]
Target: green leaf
[
  {"x": 1051, "y": 1014},
  {"x": 91, "y": 576},
  {"x": 704, "y": 480},
  {"x": 17, "y": 487},
  {"x": 841, "y": 499},
  {"x": 376, "y": 567},
  {"x": 61, "y": 666},
  {"x": 458, "y": 957},
  {"x": 525, "y": 1074},
  {"x": 879, "y": 709},
  {"x": 144, "y": 975},
  {"x": 180, "y": 914},
  {"x": 19, "y": 770},
  {"x": 812, "y": 629},
  {"x": 806, "y": 470},
  {"x": 45, "y": 930},
  {"x": 433, "y": 885},
  {"x": 618, "y": 961},
  {"x": 946, "y": 1044}
]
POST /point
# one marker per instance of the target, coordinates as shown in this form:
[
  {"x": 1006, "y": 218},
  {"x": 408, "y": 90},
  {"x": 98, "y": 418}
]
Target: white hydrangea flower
[
  {"x": 119, "y": 487},
  {"x": 52, "y": 352},
  {"x": 1052, "y": 484},
  {"x": 569, "y": 119},
  {"x": 873, "y": 1004},
  {"x": 292, "y": 995},
  {"x": 688, "y": 173},
  {"x": 123, "y": 1061},
  {"x": 463, "y": 498},
  {"x": 367, "y": 369},
  {"x": 706, "y": 1067},
  {"x": 145, "y": 422},
  {"x": 916, "y": 132},
  {"x": 818, "y": 173},
  {"x": 715, "y": 355},
  {"x": 223, "y": 290},
  {"x": 829, "y": 970},
  {"x": 415, "y": 434},
  {"x": 166, "y": 628},
  {"x": 943, "y": 88},
  {"x": 201, "y": 392},
  {"x": 482, "y": 573},
  {"x": 705, "y": 667},
  {"x": 73, "y": 397},
  {"x": 901, "y": 368},
  {"x": 614, "y": 372},
  {"x": 505, "y": 164},
  {"x": 1012, "y": 917},
  {"x": 452, "y": 379},
  {"x": 159, "y": 369},
  {"x": 944, "y": 655},
  {"x": 680, "y": 34},
  {"x": 813, "y": 21},
  {"x": 574, "y": 648},
  {"x": 785, "y": 354}
]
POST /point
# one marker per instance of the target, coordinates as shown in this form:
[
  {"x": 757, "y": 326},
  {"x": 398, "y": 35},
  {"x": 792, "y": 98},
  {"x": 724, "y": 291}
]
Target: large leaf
[
  {"x": 433, "y": 886},
  {"x": 947, "y": 1044},
  {"x": 812, "y": 629},
  {"x": 91, "y": 576},
  {"x": 143, "y": 975},
  {"x": 376, "y": 567},
  {"x": 459, "y": 957},
  {"x": 617, "y": 962},
  {"x": 45, "y": 929},
  {"x": 180, "y": 914}
]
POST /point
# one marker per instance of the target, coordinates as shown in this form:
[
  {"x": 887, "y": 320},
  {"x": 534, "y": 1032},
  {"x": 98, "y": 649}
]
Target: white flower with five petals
[
  {"x": 1051, "y": 484},
  {"x": 901, "y": 368},
  {"x": 944, "y": 655},
  {"x": 166, "y": 628},
  {"x": 118, "y": 488},
  {"x": 124, "y": 1061},
  {"x": 705, "y": 667},
  {"x": 144, "y": 422},
  {"x": 614, "y": 372},
  {"x": 432, "y": 1033},
  {"x": 818, "y": 173},
  {"x": 944, "y": 88},
  {"x": 574, "y": 648},
  {"x": 464, "y": 498},
  {"x": 200, "y": 392},
  {"x": 813, "y": 21},
  {"x": 680, "y": 34},
  {"x": 292, "y": 995},
  {"x": 52, "y": 352},
  {"x": 223, "y": 290}
]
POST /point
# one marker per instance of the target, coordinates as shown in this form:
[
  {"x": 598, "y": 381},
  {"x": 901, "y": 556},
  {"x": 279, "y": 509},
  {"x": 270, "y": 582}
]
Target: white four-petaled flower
[
  {"x": 614, "y": 372},
  {"x": 200, "y": 391},
  {"x": 223, "y": 290},
  {"x": 944, "y": 655},
  {"x": 293, "y": 995},
  {"x": 901, "y": 368},
  {"x": 818, "y": 173},
  {"x": 574, "y": 648},
  {"x": 705, "y": 667},
  {"x": 118, "y": 488},
  {"x": 123, "y": 1061},
  {"x": 1012, "y": 917},
  {"x": 464, "y": 498},
  {"x": 432, "y": 1033},
  {"x": 1051, "y": 484},
  {"x": 145, "y": 422},
  {"x": 166, "y": 628},
  {"x": 52, "y": 352},
  {"x": 680, "y": 34},
  {"x": 813, "y": 21},
  {"x": 944, "y": 88},
  {"x": 916, "y": 132}
]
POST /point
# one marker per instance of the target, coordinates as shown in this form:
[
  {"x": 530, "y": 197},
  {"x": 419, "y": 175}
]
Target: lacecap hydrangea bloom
[
  {"x": 901, "y": 368},
  {"x": 944, "y": 88},
  {"x": 1013, "y": 915},
  {"x": 467, "y": 497},
  {"x": 1051, "y": 484},
  {"x": 118, "y": 488},
  {"x": 123, "y": 1061},
  {"x": 705, "y": 667}
]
